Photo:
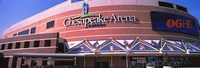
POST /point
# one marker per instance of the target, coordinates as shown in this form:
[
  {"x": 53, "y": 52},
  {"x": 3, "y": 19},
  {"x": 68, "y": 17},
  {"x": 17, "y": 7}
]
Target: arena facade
[{"x": 104, "y": 34}]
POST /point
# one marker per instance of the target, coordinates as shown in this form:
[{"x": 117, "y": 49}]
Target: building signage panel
[
  {"x": 172, "y": 22},
  {"x": 96, "y": 20}
]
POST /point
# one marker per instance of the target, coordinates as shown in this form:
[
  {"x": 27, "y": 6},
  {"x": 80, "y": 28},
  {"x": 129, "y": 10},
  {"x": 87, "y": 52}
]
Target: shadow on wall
[{"x": 3, "y": 62}]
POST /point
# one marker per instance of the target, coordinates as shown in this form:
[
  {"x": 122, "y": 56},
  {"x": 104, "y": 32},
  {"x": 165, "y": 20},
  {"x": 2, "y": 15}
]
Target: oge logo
[{"x": 179, "y": 23}]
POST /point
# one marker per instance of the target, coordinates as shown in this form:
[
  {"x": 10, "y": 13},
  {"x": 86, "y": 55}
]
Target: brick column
[
  {"x": 28, "y": 61},
  {"x": 10, "y": 62},
  {"x": 53, "y": 42},
  {"x": 19, "y": 61},
  {"x": 13, "y": 45},
  {"x": 31, "y": 44},
  {"x": 22, "y": 45},
  {"x": 6, "y": 47},
  {"x": 42, "y": 43},
  {"x": 39, "y": 62}
]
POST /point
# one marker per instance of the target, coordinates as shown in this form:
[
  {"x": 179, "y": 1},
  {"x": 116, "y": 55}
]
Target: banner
[{"x": 172, "y": 22}]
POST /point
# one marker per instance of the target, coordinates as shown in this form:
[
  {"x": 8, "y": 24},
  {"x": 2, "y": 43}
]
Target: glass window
[
  {"x": 50, "y": 24},
  {"x": 3, "y": 46},
  {"x": 14, "y": 34},
  {"x": 24, "y": 32},
  {"x": 26, "y": 44},
  {"x": 181, "y": 8},
  {"x": 17, "y": 45},
  {"x": 47, "y": 43},
  {"x": 36, "y": 43},
  {"x": 33, "y": 30},
  {"x": 165, "y": 4},
  {"x": 10, "y": 46}
]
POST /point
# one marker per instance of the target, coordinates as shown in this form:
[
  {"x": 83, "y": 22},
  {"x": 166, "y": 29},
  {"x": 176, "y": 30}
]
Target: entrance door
[{"x": 102, "y": 65}]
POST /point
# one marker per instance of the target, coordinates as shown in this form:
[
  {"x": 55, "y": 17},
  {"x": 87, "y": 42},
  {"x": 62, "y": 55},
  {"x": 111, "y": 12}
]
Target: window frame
[
  {"x": 26, "y": 44},
  {"x": 10, "y": 46},
  {"x": 17, "y": 46},
  {"x": 165, "y": 4},
  {"x": 24, "y": 32},
  {"x": 36, "y": 45},
  {"x": 3, "y": 46},
  {"x": 14, "y": 34},
  {"x": 47, "y": 43},
  {"x": 50, "y": 24},
  {"x": 181, "y": 8},
  {"x": 33, "y": 30}
]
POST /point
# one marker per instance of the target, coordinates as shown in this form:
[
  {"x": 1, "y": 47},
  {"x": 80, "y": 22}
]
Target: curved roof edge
[{"x": 68, "y": 6}]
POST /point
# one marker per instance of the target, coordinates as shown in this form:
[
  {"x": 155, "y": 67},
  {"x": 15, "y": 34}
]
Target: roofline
[{"x": 68, "y": 6}]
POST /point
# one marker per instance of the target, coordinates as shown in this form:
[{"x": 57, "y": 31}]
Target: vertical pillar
[
  {"x": 41, "y": 43},
  {"x": 53, "y": 42},
  {"x": 6, "y": 47},
  {"x": 39, "y": 62},
  {"x": 25, "y": 60},
  {"x": 13, "y": 45},
  {"x": 21, "y": 44},
  {"x": 127, "y": 61},
  {"x": 84, "y": 62},
  {"x": 111, "y": 62},
  {"x": 19, "y": 60},
  {"x": 29, "y": 61},
  {"x": 10, "y": 62},
  {"x": 31, "y": 44},
  {"x": 75, "y": 61}
]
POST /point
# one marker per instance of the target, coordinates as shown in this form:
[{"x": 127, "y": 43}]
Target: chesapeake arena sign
[{"x": 97, "y": 20}]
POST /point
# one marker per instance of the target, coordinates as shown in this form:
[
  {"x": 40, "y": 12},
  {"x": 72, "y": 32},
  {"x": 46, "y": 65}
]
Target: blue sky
[{"x": 13, "y": 11}]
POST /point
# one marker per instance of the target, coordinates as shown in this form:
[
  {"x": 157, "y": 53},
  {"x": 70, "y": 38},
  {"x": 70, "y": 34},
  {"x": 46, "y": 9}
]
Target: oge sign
[
  {"x": 179, "y": 23},
  {"x": 172, "y": 22}
]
